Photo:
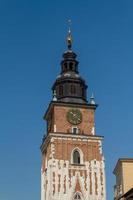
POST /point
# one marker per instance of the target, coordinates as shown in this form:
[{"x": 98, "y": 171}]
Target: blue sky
[{"x": 32, "y": 40}]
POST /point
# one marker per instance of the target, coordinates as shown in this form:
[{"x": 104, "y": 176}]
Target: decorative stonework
[{"x": 61, "y": 179}]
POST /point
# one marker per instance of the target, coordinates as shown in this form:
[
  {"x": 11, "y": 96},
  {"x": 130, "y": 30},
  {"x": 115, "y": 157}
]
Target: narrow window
[
  {"x": 60, "y": 90},
  {"x": 75, "y": 130},
  {"x": 65, "y": 67},
  {"x": 76, "y": 157},
  {"x": 71, "y": 66},
  {"x": 73, "y": 89}
]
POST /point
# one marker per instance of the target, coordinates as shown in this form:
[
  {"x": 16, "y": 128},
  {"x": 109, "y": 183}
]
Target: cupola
[{"x": 69, "y": 85}]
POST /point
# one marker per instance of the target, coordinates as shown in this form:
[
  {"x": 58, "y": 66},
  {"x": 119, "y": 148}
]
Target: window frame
[
  {"x": 77, "y": 130},
  {"x": 81, "y": 156}
]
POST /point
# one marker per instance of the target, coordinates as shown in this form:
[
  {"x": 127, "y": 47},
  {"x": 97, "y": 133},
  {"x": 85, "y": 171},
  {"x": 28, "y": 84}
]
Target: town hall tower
[{"x": 73, "y": 165}]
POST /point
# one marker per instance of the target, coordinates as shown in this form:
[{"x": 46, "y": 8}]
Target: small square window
[{"x": 75, "y": 130}]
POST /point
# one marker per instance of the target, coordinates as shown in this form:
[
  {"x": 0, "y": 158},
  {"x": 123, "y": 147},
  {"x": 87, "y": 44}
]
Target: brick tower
[{"x": 72, "y": 159}]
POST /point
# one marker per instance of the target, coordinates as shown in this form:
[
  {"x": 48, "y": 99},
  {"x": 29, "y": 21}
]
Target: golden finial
[{"x": 69, "y": 37}]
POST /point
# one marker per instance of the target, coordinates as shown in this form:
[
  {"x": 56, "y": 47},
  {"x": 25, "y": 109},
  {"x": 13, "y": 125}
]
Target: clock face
[{"x": 74, "y": 116}]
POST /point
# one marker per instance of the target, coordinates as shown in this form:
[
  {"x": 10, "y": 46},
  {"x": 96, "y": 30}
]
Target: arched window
[
  {"x": 76, "y": 157},
  {"x": 73, "y": 89},
  {"x": 77, "y": 196},
  {"x": 71, "y": 66},
  {"x": 64, "y": 67},
  {"x": 60, "y": 90}
]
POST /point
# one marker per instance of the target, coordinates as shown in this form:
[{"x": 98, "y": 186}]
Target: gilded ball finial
[{"x": 69, "y": 37}]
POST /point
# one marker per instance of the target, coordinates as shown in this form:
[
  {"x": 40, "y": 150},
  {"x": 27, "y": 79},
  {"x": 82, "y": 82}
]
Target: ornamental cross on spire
[{"x": 69, "y": 37}]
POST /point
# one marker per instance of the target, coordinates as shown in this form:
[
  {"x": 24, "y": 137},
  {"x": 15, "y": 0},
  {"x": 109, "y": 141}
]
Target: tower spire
[
  {"x": 69, "y": 36},
  {"x": 92, "y": 99}
]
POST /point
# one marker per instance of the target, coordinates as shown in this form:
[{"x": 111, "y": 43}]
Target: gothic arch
[
  {"x": 77, "y": 151},
  {"x": 77, "y": 196}
]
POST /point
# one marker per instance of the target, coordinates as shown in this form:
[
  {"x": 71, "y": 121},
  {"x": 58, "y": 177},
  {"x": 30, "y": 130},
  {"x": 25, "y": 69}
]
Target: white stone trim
[
  {"x": 67, "y": 135},
  {"x": 42, "y": 186},
  {"x": 58, "y": 167},
  {"x": 93, "y": 130},
  {"x": 54, "y": 127}
]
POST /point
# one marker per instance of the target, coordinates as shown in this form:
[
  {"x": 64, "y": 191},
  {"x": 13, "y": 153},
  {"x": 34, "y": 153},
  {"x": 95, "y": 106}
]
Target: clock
[{"x": 74, "y": 116}]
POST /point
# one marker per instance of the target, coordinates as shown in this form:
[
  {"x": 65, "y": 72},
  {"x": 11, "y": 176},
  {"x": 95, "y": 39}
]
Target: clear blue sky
[{"x": 32, "y": 40}]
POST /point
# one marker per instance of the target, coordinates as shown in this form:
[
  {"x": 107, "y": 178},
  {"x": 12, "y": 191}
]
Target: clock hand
[
  {"x": 73, "y": 114},
  {"x": 78, "y": 119}
]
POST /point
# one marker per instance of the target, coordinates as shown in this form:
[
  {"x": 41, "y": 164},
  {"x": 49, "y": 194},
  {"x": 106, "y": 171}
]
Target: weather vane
[{"x": 69, "y": 37}]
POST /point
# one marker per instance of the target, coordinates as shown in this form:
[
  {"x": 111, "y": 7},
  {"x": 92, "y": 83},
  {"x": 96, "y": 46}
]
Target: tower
[{"x": 72, "y": 160}]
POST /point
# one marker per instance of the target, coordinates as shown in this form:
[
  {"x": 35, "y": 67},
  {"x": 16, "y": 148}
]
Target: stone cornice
[{"x": 68, "y": 136}]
